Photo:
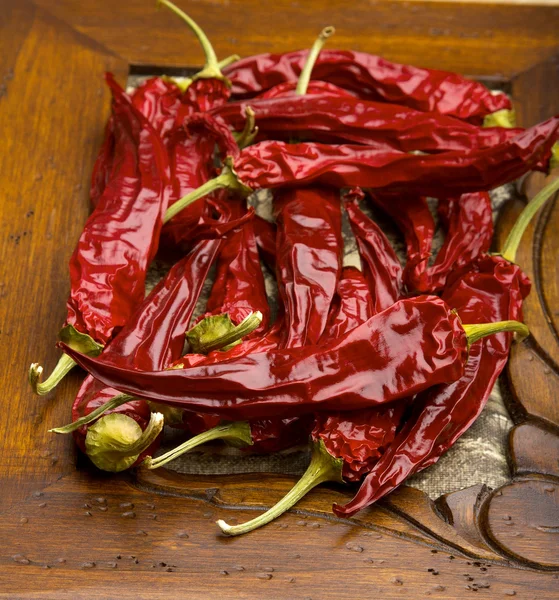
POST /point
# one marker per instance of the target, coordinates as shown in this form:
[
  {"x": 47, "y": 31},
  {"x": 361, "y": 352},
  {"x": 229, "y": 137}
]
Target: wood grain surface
[{"x": 68, "y": 532}]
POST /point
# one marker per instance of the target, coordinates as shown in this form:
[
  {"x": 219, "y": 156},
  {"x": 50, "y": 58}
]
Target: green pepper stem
[
  {"x": 323, "y": 467},
  {"x": 95, "y": 414},
  {"x": 237, "y": 433},
  {"x": 227, "y": 179},
  {"x": 512, "y": 242},
  {"x": 211, "y": 69},
  {"x": 63, "y": 367},
  {"x": 476, "y": 332},
  {"x": 249, "y": 132},
  {"x": 305, "y": 76}
]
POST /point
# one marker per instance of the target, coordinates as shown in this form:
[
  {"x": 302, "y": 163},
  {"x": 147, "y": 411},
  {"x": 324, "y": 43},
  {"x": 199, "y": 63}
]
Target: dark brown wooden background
[{"x": 66, "y": 532}]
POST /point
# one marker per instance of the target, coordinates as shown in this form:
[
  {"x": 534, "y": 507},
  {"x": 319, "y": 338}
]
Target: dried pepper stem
[
  {"x": 205, "y": 338},
  {"x": 323, "y": 467},
  {"x": 512, "y": 242},
  {"x": 249, "y": 132},
  {"x": 211, "y": 69},
  {"x": 305, "y": 77},
  {"x": 476, "y": 332},
  {"x": 94, "y": 414},
  {"x": 237, "y": 434},
  {"x": 227, "y": 179},
  {"x": 74, "y": 338}
]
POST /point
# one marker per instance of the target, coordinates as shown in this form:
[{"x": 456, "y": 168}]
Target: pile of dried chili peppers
[{"x": 382, "y": 367}]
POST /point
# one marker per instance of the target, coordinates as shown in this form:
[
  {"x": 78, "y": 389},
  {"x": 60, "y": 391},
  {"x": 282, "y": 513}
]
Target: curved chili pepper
[
  {"x": 408, "y": 347},
  {"x": 381, "y": 266},
  {"x": 373, "y": 78},
  {"x": 335, "y": 119},
  {"x": 119, "y": 240},
  {"x": 159, "y": 101},
  {"x": 273, "y": 164},
  {"x": 469, "y": 229},
  {"x": 308, "y": 259},
  {"x": 490, "y": 288}
]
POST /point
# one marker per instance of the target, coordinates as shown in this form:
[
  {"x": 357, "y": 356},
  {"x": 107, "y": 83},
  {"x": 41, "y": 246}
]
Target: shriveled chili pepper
[
  {"x": 493, "y": 287},
  {"x": 322, "y": 88},
  {"x": 152, "y": 339},
  {"x": 119, "y": 240},
  {"x": 373, "y": 78},
  {"x": 381, "y": 266},
  {"x": 408, "y": 347},
  {"x": 468, "y": 221},
  {"x": 335, "y": 119},
  {"x": 273, "y": 164}
]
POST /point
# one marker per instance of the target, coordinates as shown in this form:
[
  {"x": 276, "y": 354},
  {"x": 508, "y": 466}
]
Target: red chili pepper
[
  {"x": 335, "y": 119},
  {"x": 274, "y": 164},
  {"x": 352, "y": 304},
  {"x": 380, "y": 265},
  {"x": 238, "y": 287},
  {"x": 308, "y": 259},
  {"x": 411, "y": 214},
  {"x": 287, "y": 90},
  {"x": 119, "y": 240},
  {"x": 491, "y": 288},
  {"x": 408, "y": 347},
  {"x": 159, "y": 101},
  {"x": 468, "y": 221},
  {"x": 152, "y": 339},
  {"x": 373, "y": 78}
]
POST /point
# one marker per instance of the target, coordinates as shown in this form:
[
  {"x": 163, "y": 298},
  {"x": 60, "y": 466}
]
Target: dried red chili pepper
[
  {"x": 413, "y": 218},
  {"x": 119, "y": 240},
  {"x": 273, "y": 164},
  {"x": 491, "y": 288},
  {"x": 335, "y": 119},
  {"x": 322, "y": 88},
  {"x": 152, "y": 339},
  {"x": 380, "y": 265},
  {"x": 468, "y": 221},
  {"x": 378, "y": 362},
  {"x": 373, "y": 78}
]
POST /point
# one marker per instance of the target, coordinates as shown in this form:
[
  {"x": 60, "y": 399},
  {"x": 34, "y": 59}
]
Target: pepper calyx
[
  {"x": 116, "y": 440},
  {"x": 218, "y": 332},
  {"x": 500, "y": 118}
]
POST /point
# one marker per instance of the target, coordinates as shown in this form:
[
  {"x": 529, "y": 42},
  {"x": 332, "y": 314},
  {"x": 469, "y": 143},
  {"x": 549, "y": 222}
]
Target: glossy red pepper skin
[
  {"x": 492, "y": 289},
  {"x": 381, "y": 267},
  {"x": 273, "y": 164},
  {"x": 410, "y": 346},
  {"x": 413, "y": 218},
  {"x": 373, "y": 78},
  {"x": 468, "y": 221},
  {"x": 352, "y": 304},
  {"x": 309, "y": 250},
  {"x": 335, "y": 119},
  {"x": 238, "y": 287},
  {"x": 357, "y": 437},
  {"x": 153, "y": 337},
  {"x": 120, "y": 238},
  {"x": 159, "y": 100}
]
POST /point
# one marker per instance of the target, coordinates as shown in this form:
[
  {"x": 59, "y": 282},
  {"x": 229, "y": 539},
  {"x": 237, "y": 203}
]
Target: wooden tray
[{"x": 68, "y": 532}]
